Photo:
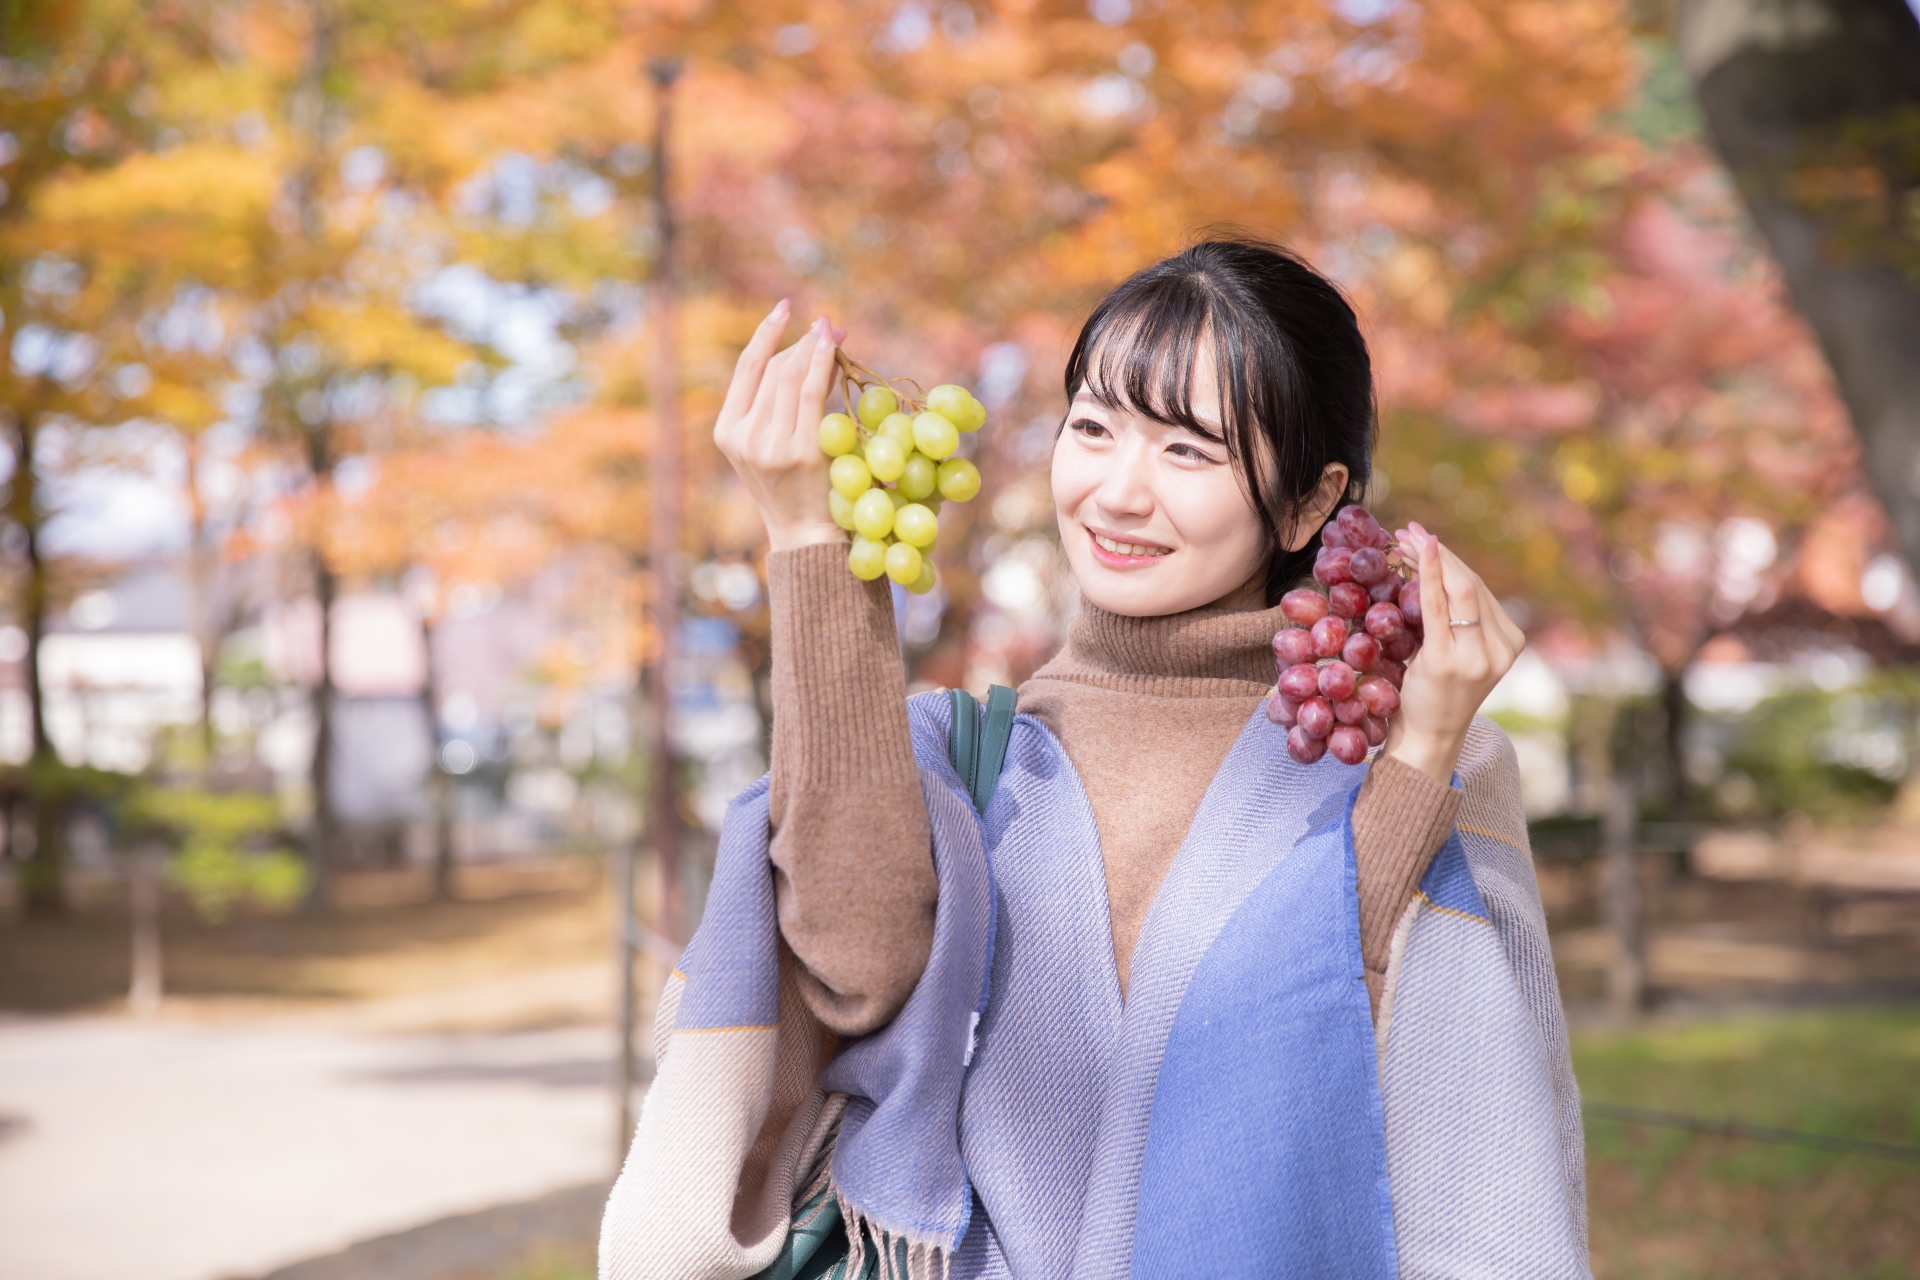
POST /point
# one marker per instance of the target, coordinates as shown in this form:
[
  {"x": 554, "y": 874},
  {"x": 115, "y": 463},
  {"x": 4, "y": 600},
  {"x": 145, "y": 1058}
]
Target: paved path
[{"x": 195, "y": 1151}]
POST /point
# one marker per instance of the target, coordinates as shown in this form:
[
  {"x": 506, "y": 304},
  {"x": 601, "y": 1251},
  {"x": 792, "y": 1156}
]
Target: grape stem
[{"x": 856, "y": 377}]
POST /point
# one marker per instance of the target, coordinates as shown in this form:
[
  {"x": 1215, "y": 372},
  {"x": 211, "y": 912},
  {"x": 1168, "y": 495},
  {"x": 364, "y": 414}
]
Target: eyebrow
[{"x": 1113, "y": 403}]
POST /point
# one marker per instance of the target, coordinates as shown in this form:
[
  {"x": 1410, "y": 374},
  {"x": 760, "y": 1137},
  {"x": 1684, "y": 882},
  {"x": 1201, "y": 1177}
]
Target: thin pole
[
  {"x": 664, "y": 547},
  {"x": 664, "y": 473},
  {"x": 623, "y": 942}
]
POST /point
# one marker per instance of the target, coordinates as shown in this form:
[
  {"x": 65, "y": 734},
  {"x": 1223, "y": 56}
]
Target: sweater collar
[{"x": 1202, "y": 652}]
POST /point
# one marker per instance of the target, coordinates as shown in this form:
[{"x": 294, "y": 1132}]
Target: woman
[{"x": 1174, "y": 1003}]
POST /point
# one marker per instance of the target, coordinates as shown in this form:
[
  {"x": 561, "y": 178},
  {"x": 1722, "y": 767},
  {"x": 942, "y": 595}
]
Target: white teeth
[{"x": 1128, "y": 548}]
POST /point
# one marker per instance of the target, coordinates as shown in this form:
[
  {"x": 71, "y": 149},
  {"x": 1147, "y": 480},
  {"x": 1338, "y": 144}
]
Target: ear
[{"x": 1319, "y": 505}]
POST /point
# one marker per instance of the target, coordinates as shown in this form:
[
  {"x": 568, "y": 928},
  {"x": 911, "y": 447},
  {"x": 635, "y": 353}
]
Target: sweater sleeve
[
  {"x": 1400, "y": 820},
  {"x": 852, "y": 848}
]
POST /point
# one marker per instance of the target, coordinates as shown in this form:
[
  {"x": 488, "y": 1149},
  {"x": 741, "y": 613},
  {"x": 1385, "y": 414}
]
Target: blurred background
[{"x": 381, "y": 638}]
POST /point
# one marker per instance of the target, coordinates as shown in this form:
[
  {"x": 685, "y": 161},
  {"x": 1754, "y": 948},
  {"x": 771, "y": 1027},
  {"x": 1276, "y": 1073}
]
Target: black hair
[{"x": 1296, "y": 383}]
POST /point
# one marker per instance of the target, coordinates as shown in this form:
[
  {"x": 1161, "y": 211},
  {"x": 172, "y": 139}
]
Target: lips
[
  {"x": 1128, "y": 550},
  {"x": 1122, "y": 553}
]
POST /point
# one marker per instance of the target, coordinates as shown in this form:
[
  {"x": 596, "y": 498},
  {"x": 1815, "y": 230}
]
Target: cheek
[
  {"x": 1214, "y": 517},
  {"x": 1074, "y": 475}
]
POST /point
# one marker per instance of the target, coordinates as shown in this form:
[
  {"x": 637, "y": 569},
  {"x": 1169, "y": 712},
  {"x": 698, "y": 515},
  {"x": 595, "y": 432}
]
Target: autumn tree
[{"x": 76, "y": 104}]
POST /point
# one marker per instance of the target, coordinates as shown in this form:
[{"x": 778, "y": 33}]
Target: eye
[
  {"x": 1192, "y": 453},
  {"x": 1091, "y": 429}
]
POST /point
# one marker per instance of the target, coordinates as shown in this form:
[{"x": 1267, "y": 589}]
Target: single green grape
[
  {"x": 950, "y": 402},
  {"x": 873, "y": 514},
  {"x": 874, "y": 405},
  {"x": 919, "y": 477},
  {"x": 976, "y": 416},
  {"x": 838, "y": 435},
  {"x": 934, "y": 436},
  {"x": 915, "y": 525},
  {"x": 897, "y": 427},
  {"x": 924, "y": 583},
  {"x": 959, "y": 479},
  {"x": 903, "y": 563},
  {"x": 899, "y": 499},
  {"x": 885, "y": 458},
  {"x": 840, "y": 509},
  {"x": 868, "y": 559},
  {"x": 849, "y": 476}
]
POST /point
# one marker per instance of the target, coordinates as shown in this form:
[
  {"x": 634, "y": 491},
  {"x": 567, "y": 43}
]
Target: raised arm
[
  {"x": 852, "y": 848},
  {"x": 1407, "y": 804}
]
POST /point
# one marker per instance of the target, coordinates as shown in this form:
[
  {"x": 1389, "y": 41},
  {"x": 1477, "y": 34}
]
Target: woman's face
[{"x": 1153, "y": 517}]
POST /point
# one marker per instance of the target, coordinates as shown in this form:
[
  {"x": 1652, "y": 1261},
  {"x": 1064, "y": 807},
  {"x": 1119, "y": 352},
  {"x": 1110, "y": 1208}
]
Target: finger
[
  {"x": 1472, "y": 654},
  {"x": 813, "y": 390},
  {"x": 1433, "y": 602},
  {"x": 768, "y": 393},
  {"x": 779, "y": 425},
  {"x": 752, "y": 365}
]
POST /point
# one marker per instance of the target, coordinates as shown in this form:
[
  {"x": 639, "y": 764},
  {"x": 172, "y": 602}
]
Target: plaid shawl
[{"x": 1239, "y": 1114}]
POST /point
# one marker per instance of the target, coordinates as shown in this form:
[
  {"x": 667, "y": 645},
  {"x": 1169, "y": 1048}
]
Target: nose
[{"x": 1127, "y": 487}]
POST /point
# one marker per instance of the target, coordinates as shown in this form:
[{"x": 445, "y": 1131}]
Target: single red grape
[
  {"x": 1385, "y": 620},
  {"x": 1410, "y": 602},
  {"x": 1281, "y": 708},
  {"x": 1359, "y": 526},
  {"x": 1367, "y": 565},
  {"x": 1348, "y": 744},
  {"x": 1314, "y": 717},
  {"x": 1361, "y": 651},
  {"x": 1336, "y": 681},
  {"x": 1300, "y": 681},
  {"x": 1303, "y": 746},
  {"x": 1400, "y": 646},
  {"x": 1350, "y": 711},
  {"x": 1392, "y": 670},
  {"x": 1293, "y": 646},
  {"x": 1347, "y": 600},
  {"x": 1329, "y": 636},
  {"x": 1375, "y": 729},
  {"x": 1333, "y": 565},
  {"x": 1332, "y": 535},
  {"x": 1381, "y": 697},
  {"x": 1388, "y": 588},
  {"x": 1303, "y": 605}
]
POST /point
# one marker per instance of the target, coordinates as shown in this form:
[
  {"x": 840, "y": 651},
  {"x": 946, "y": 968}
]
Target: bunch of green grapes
[{"x": 893, "y": 467}]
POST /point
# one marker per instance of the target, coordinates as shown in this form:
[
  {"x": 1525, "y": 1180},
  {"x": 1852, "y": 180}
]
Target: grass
[
  {"x": 1673, "y": 1205},
  {"x": 555, "y": 1264}
]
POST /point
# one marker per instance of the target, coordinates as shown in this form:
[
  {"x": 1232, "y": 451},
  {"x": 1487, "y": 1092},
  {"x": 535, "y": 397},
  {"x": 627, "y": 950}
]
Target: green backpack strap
[{"x": 976, "y": 749}]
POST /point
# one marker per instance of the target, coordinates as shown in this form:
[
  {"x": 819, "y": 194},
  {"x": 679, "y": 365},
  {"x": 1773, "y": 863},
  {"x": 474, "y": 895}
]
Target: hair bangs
[{"x": 1142, "y": 354}]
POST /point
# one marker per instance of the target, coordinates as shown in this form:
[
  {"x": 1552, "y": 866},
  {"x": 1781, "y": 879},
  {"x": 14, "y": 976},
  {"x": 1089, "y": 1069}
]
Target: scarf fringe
[{"x": 897, "y": 1256}]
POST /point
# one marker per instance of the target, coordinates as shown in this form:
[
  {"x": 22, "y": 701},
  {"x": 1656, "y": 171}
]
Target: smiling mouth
[{"x": 1128, "y": 550}]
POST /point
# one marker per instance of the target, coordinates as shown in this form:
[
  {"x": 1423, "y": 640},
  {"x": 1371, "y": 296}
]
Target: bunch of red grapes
[{"x": 1345, "y": 649}]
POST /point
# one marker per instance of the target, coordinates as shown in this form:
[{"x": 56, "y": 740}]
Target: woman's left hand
[{"x": 1457, "y": 665}]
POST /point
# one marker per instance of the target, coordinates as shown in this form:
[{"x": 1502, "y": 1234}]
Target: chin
[{"x": 1140, "y": 594}]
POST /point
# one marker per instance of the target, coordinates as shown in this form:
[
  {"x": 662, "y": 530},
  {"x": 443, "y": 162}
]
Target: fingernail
[{"x": 839, "y": 336}]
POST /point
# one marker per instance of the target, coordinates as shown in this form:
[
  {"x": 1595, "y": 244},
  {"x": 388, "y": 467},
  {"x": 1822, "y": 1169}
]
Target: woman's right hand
[{"x": 768, "y": 430}]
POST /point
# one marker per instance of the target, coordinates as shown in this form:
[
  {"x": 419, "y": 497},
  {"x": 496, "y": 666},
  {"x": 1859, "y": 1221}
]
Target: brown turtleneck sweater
[{"x": 1145, "y": 708}]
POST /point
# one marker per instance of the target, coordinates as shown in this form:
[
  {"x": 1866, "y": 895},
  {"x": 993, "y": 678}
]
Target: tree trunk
[
  {"x": 206, "y": 634},
  {"x": 1620, "y": 901},
  {"x": 321, "y": 835},
  {"x": 1815, "y": 107},
  {"x": 441, "y": 782},
  {"x": 43, "y": 877},
  {"x": 1674, "y": 709}
]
